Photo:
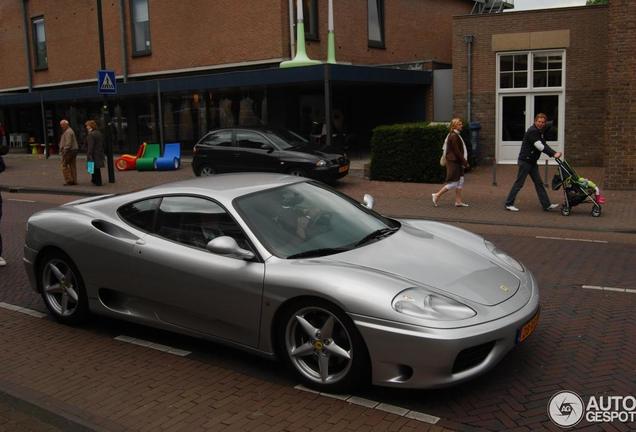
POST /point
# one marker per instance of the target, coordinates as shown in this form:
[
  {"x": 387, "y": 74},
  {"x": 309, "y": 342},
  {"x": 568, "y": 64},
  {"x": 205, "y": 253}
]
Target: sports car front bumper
[{"x": 409, "y": 356}]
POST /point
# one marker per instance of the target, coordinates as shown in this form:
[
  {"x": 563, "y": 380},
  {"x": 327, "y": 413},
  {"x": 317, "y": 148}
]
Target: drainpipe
[
  {"x": 122, "y": 33},
  {"x": 292, "y": 43},
  {"x": 468, "y": 39},
  {"x": 25, "y": 18}
]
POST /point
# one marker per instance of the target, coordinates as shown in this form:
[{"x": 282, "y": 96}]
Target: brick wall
[
  {"x": 586, "y": 74},
  {"x": 202, "y": 33},
  {"x": 620, "y": 127}
]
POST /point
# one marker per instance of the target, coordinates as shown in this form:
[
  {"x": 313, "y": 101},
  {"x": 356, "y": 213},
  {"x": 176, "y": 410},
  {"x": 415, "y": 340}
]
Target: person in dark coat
[
  {"x": 95, "y": 151},
  {"x": 456, "y": 157},
  {"x": 534, "y": 143}
]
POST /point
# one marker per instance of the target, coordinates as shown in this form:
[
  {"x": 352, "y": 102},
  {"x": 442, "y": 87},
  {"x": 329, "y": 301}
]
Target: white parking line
[
  {"x": 155, "y": 346},
  {"x": 612, "y": 289},
  {"x": 403, "y": 412},
  {"x": 15, "y": 308},
  {"x": 571, "y": 239}
]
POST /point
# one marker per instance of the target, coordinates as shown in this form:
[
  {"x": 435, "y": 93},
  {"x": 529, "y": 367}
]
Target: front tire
[
  {"x": 63, "y": 289},
  {"x": 321, "y": 345},
  {"x": 297, "y": 172}
]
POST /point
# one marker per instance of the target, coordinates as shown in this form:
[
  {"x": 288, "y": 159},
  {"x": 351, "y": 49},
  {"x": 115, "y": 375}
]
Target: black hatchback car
[{"x": 265, "y": 150}]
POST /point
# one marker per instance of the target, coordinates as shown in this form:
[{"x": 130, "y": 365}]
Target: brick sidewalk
[
  {"x": 31, "y": 173},
  {"x": 104, "y": 384}
]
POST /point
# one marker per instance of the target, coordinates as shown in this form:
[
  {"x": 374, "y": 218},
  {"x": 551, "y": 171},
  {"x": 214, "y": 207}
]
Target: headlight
[
  {"x": 501, "y": 255},
  {"x": 321, "y": 163},
  {"x": 421, "y": 303}
]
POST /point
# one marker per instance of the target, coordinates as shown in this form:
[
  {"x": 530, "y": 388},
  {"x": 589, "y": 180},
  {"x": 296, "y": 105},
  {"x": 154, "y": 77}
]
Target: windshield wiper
[
  {"x": 377, "y": 235},
  {"x": 319, "y": 252}
]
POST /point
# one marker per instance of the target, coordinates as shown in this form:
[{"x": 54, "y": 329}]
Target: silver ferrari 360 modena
[{"x": 286, "y": 266}]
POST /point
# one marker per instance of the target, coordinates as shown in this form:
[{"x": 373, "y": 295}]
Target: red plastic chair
[{"x": 129, "y": 162}]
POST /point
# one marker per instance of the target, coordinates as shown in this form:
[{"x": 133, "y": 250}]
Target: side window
[
  {"x": 195, "y": 221},
  {"x": 250, "y": 140},
  {"x": 140, "y": 214},
  {"x": 218, "y": 139}
]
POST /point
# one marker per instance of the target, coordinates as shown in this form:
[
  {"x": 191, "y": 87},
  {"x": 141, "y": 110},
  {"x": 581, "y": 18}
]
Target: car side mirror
[
  {"x": 226, "y": 245},
  {"x": 368, "y": 201},
  {"x": 267, "y": 147}
]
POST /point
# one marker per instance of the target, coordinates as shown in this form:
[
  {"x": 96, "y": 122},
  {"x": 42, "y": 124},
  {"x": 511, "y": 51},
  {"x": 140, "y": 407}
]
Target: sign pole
[{"x": 105, "y": 112}]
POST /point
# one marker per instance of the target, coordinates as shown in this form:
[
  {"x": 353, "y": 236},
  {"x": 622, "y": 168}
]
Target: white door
[{"x": 516, "y": 114}]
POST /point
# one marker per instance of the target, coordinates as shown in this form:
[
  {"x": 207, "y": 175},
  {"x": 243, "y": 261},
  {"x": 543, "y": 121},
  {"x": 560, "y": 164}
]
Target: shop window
[
  {"x": 140, "y": 27},
  {"x": 547, "y": 70},
  {"x": 375, "y": 22},
  {"x": 39, "y": 43}
]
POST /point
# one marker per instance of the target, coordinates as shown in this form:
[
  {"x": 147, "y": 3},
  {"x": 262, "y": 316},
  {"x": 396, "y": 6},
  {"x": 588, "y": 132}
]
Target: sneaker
[
  {"x": 551, "y": 207},
  {"x": 461, "y": 204},
  {"x": 434, "y": 197},
  {"x": 2, "y": 262},
  {"x": 512, "y": 208}
]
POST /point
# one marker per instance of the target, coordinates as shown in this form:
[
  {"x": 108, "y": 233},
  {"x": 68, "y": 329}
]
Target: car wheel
[
  {"x": 596, "y": 211},
  {"x": 321, "y": 345},
  {"x": 565, "y": 210},
  {"x": 297, "y": 172},
  {"x": 206, "y": 170},
  {"x": 63, "y": 289}
]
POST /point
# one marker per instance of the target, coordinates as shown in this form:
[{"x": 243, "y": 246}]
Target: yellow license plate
[
  {"x": 528, "y": 328},
  {"x": 343, "y": 168}
]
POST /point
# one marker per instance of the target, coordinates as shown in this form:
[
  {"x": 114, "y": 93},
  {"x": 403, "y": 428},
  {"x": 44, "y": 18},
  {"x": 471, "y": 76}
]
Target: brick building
[
  {"x": 186, "y": 67},
  {"x": 575, "y": 64}
]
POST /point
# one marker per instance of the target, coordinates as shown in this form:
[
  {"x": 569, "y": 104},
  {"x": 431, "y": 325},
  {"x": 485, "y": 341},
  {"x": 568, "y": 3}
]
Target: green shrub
[{"x": 408, "y": 152}]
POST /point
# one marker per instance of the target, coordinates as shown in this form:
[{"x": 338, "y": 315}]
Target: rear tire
[
  {"x": 596, "y": 211},
  {"x": 206, "y": 171},
  {"x": 121, "y": 165},
  {"x": 322, "y": 346},
  {"x": 62, "y": 288},
  {"x": 565, "y": 211}
]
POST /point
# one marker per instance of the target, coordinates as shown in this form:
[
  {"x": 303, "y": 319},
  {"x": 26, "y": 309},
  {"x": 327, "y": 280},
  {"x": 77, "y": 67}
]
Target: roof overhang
[{"x": 248, "y": 78}]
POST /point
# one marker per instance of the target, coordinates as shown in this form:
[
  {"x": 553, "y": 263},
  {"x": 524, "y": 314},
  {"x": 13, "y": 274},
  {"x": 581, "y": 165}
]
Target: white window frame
[{"x": 530, "y": 92}]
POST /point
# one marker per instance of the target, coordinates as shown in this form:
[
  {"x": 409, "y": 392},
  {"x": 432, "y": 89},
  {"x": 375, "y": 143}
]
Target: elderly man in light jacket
[{"x": 68, "y": 151}]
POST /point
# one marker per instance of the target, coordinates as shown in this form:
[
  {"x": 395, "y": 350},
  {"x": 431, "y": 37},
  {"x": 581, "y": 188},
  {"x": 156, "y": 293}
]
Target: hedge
[{"x": 408, "y": 152}]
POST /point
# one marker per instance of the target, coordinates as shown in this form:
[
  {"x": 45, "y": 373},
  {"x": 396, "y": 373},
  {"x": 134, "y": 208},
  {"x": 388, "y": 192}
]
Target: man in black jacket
[{"x": 531, "y": 148}]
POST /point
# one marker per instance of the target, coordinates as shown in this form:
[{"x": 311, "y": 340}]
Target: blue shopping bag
[{"x": 90, "y": 167}]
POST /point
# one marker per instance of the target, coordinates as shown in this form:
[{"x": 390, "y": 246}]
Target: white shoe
[
  {"x": 2, "y": 262},
  {"x": 434, "y": 197},
  {"x": 552, "y": 207},
  {"x": 512, "y": 208}
]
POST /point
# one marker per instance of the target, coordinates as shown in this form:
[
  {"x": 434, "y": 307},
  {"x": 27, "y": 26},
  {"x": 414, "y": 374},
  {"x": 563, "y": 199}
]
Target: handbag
[{"x": 442, "y": 159}]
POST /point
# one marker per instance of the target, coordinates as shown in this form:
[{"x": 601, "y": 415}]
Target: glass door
[{"x": 516, "y": 115}]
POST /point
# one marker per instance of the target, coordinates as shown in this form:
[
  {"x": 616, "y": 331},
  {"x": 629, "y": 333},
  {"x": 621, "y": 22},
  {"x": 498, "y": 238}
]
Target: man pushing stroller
[{"x": 534, "y": 143}]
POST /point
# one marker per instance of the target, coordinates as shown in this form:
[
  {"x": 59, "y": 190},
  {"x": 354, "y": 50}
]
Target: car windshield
[
  {"x": 308, "y": 220},
  {"x": 285, "y": 139}
]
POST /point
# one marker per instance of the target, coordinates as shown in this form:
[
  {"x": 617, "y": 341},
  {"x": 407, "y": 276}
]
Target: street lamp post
[{"x": 105, "y": 112}]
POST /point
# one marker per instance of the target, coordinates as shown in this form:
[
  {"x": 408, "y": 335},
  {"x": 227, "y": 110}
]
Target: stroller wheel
[
  {"x": 596, "y": 211},
  {"x": 565, "y": 210}
]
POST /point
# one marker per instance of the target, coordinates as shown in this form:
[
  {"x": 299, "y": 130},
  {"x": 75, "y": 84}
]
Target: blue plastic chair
[{"x": 171, "y": 159}]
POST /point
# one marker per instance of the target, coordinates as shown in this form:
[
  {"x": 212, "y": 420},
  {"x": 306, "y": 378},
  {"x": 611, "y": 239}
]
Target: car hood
[
  {"x": 424, "y": 259},
  {"x": 308, "y": 152}
]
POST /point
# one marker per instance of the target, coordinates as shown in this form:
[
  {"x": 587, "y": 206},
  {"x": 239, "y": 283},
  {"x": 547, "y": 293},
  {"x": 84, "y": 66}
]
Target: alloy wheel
[
  {"x": 319, "y": 345},
  {"x": 60, "y": 287}
]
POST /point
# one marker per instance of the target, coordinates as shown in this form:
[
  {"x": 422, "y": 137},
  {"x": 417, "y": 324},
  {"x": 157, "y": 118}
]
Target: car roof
[{"x": 225, "y": 186}]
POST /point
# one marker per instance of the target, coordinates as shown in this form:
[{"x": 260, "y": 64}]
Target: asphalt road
[{"x": 584, "y": 342}]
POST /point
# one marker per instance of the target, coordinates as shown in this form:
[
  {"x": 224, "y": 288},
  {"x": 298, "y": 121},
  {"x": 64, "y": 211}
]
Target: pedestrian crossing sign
[{"x": 106, "y": 82}]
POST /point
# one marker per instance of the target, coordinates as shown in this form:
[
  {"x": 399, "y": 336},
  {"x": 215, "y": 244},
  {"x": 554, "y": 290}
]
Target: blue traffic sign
[{"x": 106, "y": 82}]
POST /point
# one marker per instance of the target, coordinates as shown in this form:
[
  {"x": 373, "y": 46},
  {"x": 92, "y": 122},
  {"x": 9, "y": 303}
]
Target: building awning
[{"x": 218, "y": 80}]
